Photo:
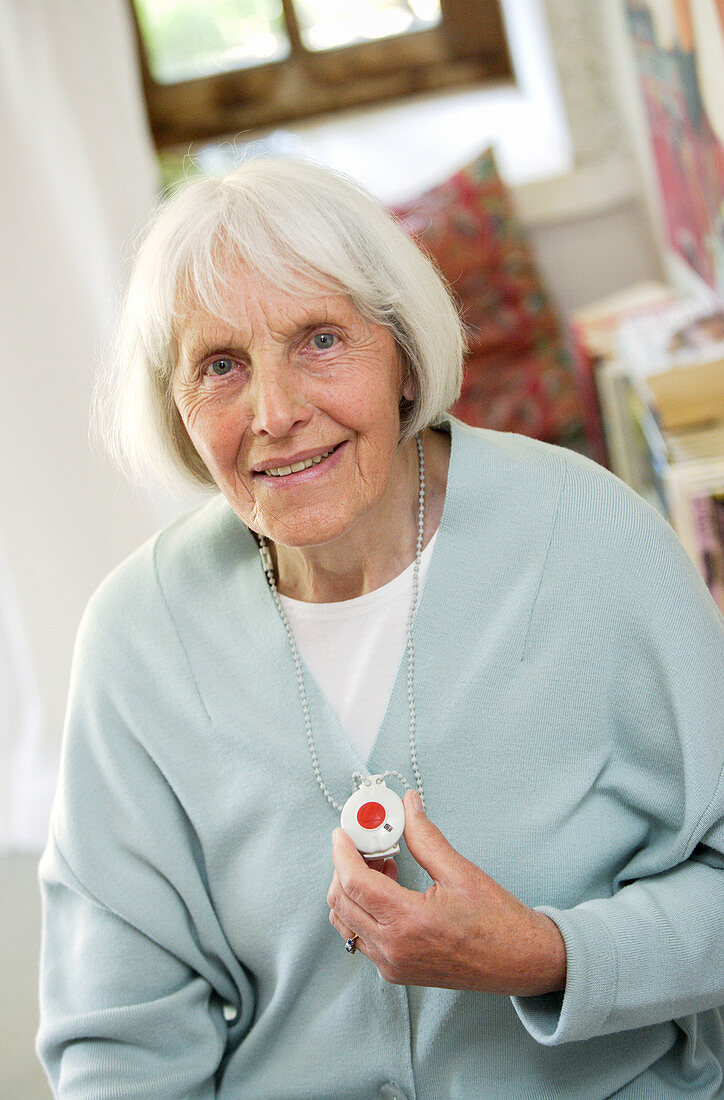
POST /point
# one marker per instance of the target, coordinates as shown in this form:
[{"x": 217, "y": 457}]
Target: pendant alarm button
[
  {"x": 371, "y": 815},
  {"x": 374, "y": 818}
]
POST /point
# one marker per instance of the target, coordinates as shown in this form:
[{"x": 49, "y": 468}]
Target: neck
[{"x": 380, "y": 546}]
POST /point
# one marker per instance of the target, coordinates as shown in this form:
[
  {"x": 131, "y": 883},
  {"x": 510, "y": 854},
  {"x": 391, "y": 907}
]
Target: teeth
[{"x": 282, "y": 471}]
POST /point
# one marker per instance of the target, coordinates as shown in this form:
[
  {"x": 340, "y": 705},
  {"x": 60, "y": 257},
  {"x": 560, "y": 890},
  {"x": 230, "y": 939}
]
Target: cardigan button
[{"x": 391, "y": 1092}]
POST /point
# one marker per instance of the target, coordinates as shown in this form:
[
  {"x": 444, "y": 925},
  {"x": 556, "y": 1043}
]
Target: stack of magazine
[{"x": 673, "y": 358}]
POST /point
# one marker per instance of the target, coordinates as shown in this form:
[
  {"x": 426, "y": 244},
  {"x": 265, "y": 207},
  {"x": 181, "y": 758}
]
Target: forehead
[{"x": 243, "y": 301}]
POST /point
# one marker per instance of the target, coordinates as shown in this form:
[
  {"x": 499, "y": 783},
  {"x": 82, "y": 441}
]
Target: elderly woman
[{"x": 377, "y": 598}]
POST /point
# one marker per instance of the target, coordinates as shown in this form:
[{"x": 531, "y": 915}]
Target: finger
[
  {"x": 339, "y": 902},
  {"x": 378, "y": 895},
  {"x": 384, "y": 866},
  {"x": 348, "y": 917},
  {"x": 345, "y": 932},
  {"x": 390, "y": 868},
  {"x": 348, "y": 914},
  {"x": 428, "y": 845}
]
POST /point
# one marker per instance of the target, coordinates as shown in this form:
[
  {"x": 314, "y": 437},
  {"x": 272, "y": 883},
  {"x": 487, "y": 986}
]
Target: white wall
[
  {"x": 77, "y": 176},
  {"x": 564, "y": 140}
]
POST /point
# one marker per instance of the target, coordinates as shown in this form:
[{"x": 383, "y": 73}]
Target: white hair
[{"x": 300, "y": 227}]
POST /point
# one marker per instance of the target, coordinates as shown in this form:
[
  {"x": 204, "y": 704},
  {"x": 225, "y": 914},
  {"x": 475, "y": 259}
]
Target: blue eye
[
  {"x": 219, "y": 367},
  {"x": 323, "y": 340}
]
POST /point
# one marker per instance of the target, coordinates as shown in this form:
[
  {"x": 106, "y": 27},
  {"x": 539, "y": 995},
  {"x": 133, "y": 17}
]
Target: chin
[
  {"x": 308, "y": 531},
  {"x": 300, "y": 539}
]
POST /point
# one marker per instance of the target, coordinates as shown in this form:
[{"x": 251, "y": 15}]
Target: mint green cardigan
[{"x": 570, "y": 713}]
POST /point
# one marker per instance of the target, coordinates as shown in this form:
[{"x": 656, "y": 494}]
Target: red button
[{"x": 371, "y": 815}]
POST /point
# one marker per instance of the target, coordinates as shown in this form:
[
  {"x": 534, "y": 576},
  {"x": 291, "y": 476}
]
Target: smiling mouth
[{"x": 297, "y": 467}]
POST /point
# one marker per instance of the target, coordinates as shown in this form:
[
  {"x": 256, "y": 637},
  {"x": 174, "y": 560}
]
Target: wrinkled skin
[
  {"x": 281, "y": 379},
  {"x": 464, "y": 932}
]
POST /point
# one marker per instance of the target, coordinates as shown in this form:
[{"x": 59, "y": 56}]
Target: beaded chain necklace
[{"x": 359, "y": 780}]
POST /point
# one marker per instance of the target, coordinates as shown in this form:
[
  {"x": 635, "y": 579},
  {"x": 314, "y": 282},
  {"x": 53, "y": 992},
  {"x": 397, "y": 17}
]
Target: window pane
[
  {"x": 191, "y": 38},
  {"x": 326, "y": 24}
]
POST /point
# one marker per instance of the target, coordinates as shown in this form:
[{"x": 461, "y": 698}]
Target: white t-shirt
[{"x": 353, "y": 649}]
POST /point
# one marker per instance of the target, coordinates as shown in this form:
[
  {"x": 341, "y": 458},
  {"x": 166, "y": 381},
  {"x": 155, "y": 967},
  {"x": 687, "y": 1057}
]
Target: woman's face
[{"x": 293, "y": 405}]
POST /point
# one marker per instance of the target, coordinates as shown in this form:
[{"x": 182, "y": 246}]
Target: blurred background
[{"x": 562, "y": 161}]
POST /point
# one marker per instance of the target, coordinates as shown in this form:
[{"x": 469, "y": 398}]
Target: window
[{"x": 217, "y": 67}]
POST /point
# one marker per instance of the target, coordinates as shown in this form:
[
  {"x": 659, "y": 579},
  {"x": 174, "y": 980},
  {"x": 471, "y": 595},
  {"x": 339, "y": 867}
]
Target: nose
[{"x": 278, "y": 406}]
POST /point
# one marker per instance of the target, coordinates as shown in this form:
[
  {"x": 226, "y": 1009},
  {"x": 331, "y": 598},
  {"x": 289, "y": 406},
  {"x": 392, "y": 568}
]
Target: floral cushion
[{"x": 518, "y": 374}]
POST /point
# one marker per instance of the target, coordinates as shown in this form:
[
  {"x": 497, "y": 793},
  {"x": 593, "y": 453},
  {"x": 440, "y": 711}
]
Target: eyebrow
[
  {"x": 225, "y": 338},
  {"x": 199, "y": 346}
]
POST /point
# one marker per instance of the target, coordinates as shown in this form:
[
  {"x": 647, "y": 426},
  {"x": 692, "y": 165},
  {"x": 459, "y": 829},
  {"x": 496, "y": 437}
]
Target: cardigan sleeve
[
  {"x": 122, "y": 1014},
  {"x": 654, "y": 949},
  {"x": 137, "y": 979}
]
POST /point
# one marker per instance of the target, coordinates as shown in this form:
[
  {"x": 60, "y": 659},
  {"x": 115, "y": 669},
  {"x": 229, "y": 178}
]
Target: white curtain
[
  {"x": 77, "y": 177},
  {"x": 27, "y": 770}
]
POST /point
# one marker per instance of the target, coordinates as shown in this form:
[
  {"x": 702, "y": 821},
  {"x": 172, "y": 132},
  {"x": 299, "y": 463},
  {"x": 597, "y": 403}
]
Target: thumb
[{"x": 427, "y": 844}]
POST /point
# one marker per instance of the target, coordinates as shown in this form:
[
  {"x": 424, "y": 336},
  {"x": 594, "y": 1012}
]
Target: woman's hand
[{"x": 464, "y": 932}]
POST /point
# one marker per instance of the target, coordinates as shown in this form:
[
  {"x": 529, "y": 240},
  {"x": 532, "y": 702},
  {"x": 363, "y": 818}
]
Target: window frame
[{"x": 469, "y": 46}]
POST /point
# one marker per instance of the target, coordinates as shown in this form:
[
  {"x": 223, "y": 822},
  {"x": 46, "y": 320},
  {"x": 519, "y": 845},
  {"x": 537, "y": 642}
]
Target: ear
[{"x": 409, "y": 386}]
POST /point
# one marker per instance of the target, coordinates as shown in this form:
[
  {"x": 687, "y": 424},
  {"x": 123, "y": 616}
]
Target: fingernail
[
  {"x": 335, "y": 835},
  {"x": 417, "y": 801}
]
